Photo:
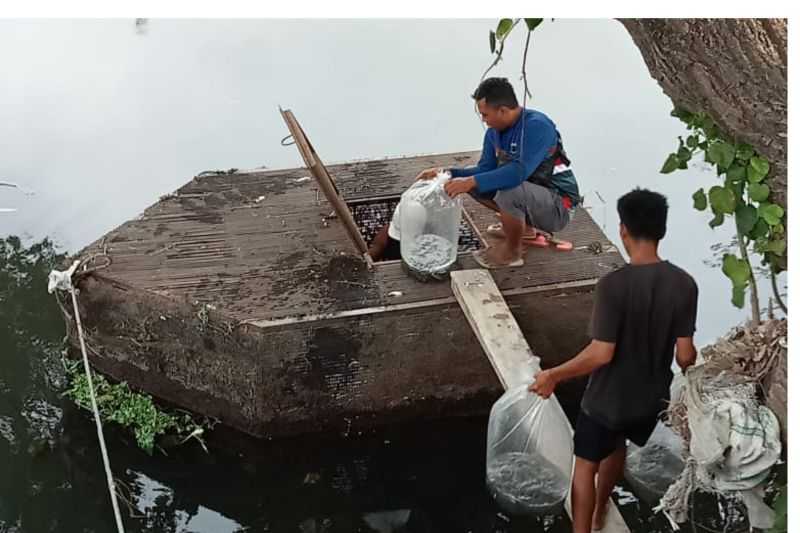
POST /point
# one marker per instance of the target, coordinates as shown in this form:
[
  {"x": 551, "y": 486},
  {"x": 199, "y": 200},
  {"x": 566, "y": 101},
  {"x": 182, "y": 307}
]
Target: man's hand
[
  {"x": 428, "y": 174},
  {"x": 544, "y": 384},
  {"x": 457, "y": 186}
]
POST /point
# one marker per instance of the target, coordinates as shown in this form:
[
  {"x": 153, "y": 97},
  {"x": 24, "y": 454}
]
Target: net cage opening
[{"x": 371, "y": 214}]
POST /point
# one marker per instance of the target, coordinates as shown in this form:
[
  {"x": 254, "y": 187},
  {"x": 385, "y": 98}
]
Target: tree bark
[{"x": 733, "y": 69}]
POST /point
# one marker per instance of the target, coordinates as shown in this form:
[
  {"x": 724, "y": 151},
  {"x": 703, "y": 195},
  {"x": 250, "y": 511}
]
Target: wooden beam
[
  {"x": 570, "y": 286},
  {"x": 325, "y": 181},
  {"x": 506, "y": 347}
]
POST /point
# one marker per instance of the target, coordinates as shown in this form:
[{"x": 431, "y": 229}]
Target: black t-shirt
[{"x": 643, "y": 309}]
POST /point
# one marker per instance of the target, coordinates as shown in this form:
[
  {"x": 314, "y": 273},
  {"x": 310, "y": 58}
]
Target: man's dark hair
[
  {"x": 497, "y": 92},
  {"x": 644, "y": 213}
]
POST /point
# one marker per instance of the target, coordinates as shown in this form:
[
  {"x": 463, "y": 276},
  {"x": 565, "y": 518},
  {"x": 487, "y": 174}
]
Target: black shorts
[{"x": 594, "y": 441}]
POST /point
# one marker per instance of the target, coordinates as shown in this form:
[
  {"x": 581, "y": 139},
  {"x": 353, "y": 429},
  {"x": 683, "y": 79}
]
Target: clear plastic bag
[
  {"x": 652, "y": 468},
  {"x": 529, "y": 453},
  {"x": 428, "y": 221}
]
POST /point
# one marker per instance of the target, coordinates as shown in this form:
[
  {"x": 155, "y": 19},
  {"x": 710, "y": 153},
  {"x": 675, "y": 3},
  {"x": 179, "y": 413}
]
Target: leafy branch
[
  {"x": 499, "y": 35},
  {"x": 744, "y": 196}
]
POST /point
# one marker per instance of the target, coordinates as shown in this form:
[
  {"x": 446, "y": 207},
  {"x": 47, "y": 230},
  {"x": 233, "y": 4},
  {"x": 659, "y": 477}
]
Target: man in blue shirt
[{"x": 523, "y": 174}]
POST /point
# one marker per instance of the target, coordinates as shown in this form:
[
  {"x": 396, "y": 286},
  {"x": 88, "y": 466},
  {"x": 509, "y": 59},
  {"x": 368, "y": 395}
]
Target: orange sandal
[{"x": 537, "y": 239}]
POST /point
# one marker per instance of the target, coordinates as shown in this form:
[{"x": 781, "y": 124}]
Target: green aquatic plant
[{"x": 133, "y": 410}]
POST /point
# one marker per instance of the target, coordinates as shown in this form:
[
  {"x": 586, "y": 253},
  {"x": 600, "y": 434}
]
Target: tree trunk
[{"x": 733, "y": 69}]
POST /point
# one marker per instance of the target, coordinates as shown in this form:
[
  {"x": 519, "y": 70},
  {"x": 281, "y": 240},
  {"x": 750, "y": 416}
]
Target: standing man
[
  {"x": 523, "y": 174},
  {"x": 644, "y": 314}
]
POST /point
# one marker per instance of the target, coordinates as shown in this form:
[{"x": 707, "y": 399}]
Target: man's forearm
[
  {"x": 586, "y": 362},
  {"x": 686, "y": 360},
  {"x": 464, "y": 172}
]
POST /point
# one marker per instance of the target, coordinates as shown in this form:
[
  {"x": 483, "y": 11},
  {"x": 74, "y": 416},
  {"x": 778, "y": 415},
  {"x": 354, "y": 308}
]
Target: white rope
[{"x": 66, "y": 283}]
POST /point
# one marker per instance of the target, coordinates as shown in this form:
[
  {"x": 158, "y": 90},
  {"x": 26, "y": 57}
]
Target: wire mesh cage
[{"x": 372, "y": 215}]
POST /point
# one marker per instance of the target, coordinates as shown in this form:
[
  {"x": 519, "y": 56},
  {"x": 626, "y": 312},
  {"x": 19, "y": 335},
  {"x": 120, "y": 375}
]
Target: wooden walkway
[{"x": 257, "y": 246}]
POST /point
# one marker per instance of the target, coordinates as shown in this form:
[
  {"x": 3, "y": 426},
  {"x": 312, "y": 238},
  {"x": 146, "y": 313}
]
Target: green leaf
[
  {"x": 700, "y": 201},
  {"x": 778, "y": 229},
  {"x": 532, "y": 23},
  {"x": 758, "y": 169},
  {"x": 692, "y": 141},
  {"x": 718, "y": 219},
  {"x": 746, "y": 217},
  {"x": 722, "y": 153},
  {"x": 759, "y": 192},
  {"x": 684, "y": 154},
  {"x": 708, "y": 127},
  {"x": 738, "y": 190},
  {"x": 703, "y": 145},
  {"x": 761, "y": 229},
  {"x": 736, "y": 172},
  {"x": 736, "y": 269},
  {"x": 777, "y": 263},
  {"x": 744, "y": 152},
  {"x": 492, "y": 41},
  {"x": 722, "y": 199},
  {"x": 771, "y": 213},
  {"x": 777, "y": 246},
  {"x": 682, "y": 114},
  {"x": 738, "y": 296},
  {"x": 503, "y": 27},
  {"x": 671, "y": 164}
]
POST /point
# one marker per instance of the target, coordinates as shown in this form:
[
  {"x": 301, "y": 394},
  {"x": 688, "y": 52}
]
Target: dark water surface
[{"x": 418, "y": 478}]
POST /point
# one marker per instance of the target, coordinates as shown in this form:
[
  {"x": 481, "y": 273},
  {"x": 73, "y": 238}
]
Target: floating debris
[{"x": 311, "y": 478}]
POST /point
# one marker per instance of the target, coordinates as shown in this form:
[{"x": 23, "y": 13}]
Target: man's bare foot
[
  {"x": 599, "y": 517},
  {"x": 502, "y": 254},
  {"x": 497, "y": 257}
]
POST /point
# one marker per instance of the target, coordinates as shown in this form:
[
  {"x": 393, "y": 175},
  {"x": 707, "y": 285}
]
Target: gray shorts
[{"x": 541, "y": 207}]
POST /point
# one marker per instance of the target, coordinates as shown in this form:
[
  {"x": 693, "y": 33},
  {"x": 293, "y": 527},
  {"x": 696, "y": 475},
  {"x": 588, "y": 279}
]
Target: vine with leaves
[{"x": 743, "y": 195}]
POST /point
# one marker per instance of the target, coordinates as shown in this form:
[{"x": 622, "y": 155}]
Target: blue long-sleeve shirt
[{"x": 540, "y": 139}]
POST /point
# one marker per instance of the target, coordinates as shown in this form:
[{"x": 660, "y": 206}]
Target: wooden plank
[
  {"x": 495, "y": 326},
  {"x": 325, "y": 181},
  {"x": 505, "y": 346}
]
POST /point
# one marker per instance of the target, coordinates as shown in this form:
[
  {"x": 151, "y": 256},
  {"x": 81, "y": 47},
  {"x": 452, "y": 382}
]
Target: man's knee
[
  {"x": 510, "y": 200},
  {"x": 506, "y": 196}
]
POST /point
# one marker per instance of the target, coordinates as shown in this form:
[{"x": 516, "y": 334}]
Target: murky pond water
[{"x": 99, "y": 118}]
